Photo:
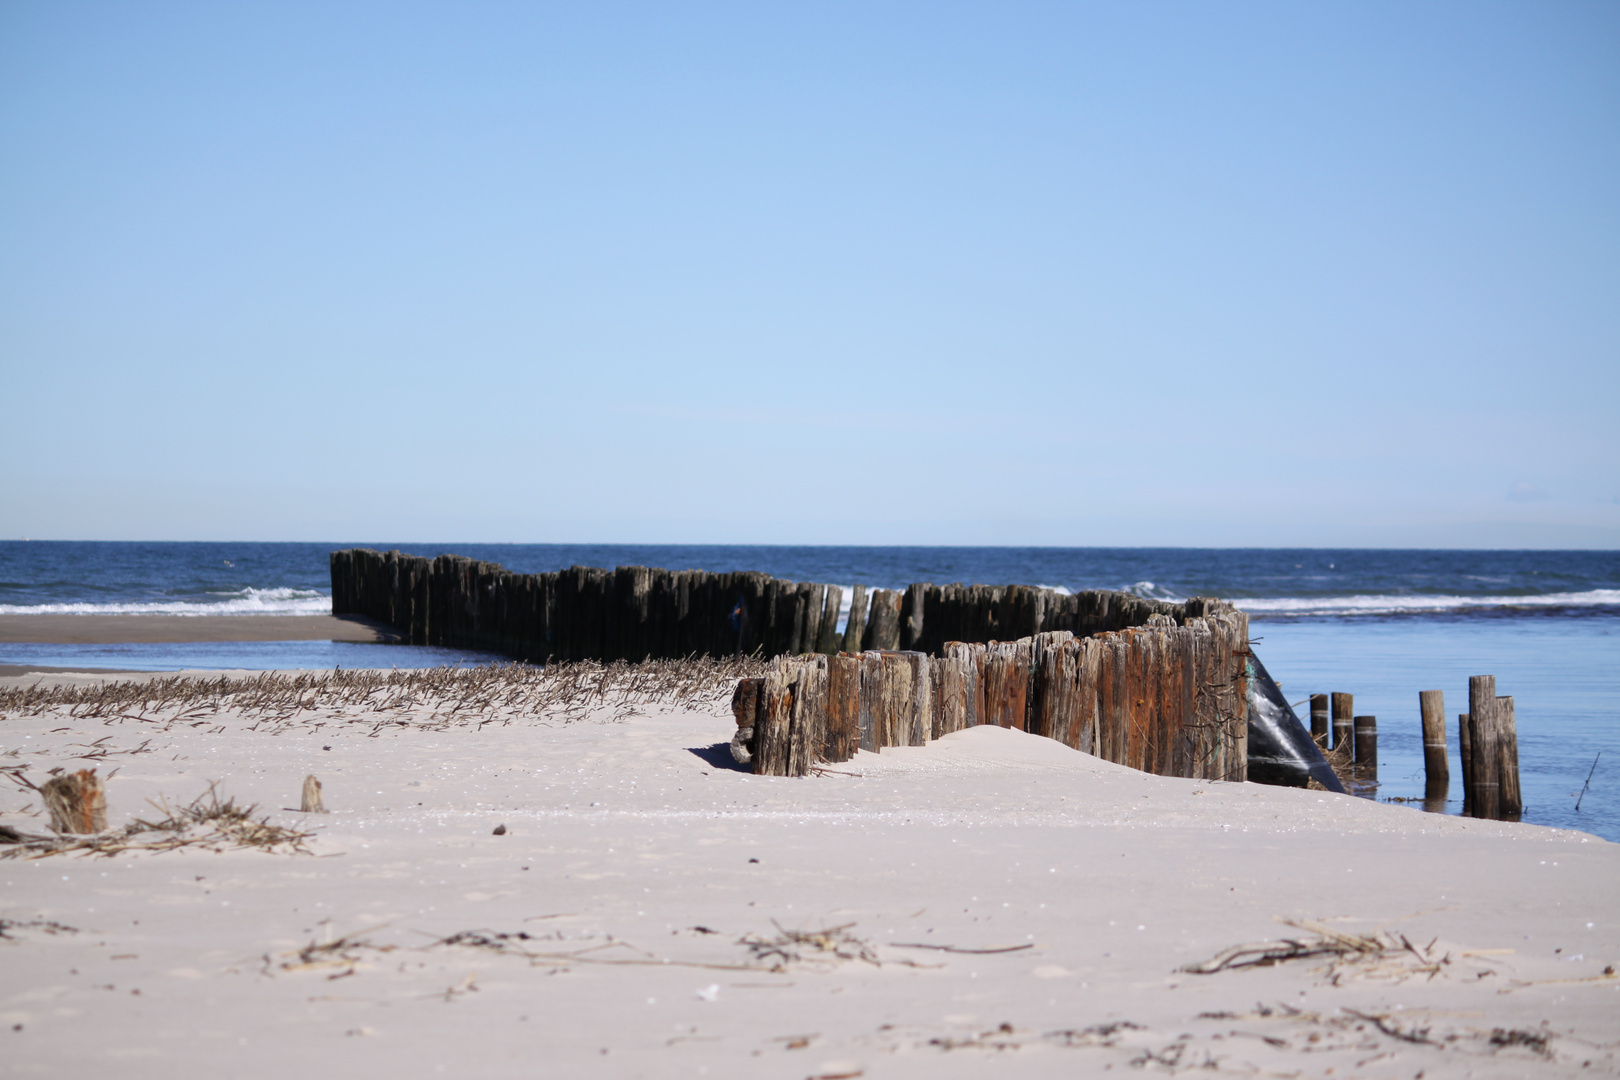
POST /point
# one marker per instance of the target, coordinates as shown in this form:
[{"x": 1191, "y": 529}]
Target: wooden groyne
[
  {"x": 1163, "y": 698},
  {"x": 639, "y": 613},
  {"x": 1154, "y": 685}
]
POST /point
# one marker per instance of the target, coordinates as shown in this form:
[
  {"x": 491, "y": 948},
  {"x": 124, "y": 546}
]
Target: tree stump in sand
[
  {"x": 311, "y": 802},
  {"x": 77, "y": 802}
]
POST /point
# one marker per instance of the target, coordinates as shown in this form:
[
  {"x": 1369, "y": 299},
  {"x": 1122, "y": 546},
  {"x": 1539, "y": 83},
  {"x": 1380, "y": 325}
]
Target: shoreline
[{"x": 175, "y": 629}]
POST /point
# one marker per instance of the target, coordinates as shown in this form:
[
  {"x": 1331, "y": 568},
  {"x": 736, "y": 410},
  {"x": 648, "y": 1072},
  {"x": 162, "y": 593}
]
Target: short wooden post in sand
[
  {"x": 1437, "y": 771},
  {"x": 1485, "y": 800},
  {"x": 1507, "y": 730},
  {"x": 311, "y": 801},
  {"x": 1344, "y": 706},
  {"x": 1319, "y": 719},
  {"x": 77, "y": 802},
  {"x": 1367, "y": 748}
]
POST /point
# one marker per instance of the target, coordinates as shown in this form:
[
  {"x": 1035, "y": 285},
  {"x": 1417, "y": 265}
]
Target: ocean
[{"x": 1381, "y": 624}]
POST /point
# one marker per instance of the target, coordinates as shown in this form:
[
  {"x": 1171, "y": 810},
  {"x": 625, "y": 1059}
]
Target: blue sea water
[{"x": 1382, "y": 624}]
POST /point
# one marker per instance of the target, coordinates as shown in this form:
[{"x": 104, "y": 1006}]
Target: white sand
[{"x": 619, "y": 832}]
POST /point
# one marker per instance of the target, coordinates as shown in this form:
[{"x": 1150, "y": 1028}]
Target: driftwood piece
[
  {"x": 311, "y": 801},
  {"x": 77, "y": 803}
]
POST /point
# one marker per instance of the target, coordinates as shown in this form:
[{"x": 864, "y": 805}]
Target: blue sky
[{"x": 1187, "y": 274}]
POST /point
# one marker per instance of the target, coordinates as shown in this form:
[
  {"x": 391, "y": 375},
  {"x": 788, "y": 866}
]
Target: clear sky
[{"x": 999, "y": 273}]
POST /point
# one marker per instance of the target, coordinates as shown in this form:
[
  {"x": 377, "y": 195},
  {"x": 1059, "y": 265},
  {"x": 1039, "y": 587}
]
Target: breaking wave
[
  {"x": 248, "y": 601},
  {"x": 1395, "y": 605}
]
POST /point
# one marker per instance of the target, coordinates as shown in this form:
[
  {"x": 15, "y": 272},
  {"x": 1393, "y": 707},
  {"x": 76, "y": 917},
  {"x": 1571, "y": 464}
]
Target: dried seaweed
[
  {"x": 828, "y": 944},
  {"x": 208, "y": 821},
  {"x": 438, "y": 697},
  {"x": 1376, "y": 955}
]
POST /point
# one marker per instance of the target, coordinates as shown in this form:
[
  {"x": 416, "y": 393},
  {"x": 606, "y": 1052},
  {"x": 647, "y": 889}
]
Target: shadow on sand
[{"x": 719, "y": 756}]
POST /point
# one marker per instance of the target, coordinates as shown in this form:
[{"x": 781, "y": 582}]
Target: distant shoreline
[{"x": 121, "y": 629}]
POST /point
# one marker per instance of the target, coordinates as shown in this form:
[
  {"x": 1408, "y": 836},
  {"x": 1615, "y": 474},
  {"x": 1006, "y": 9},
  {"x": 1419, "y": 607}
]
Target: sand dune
[{"x": 638, "y": 864}]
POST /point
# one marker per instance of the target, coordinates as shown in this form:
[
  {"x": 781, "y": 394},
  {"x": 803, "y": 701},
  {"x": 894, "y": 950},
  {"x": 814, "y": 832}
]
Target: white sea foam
[
  {"x": 247, "y": 601},
  {"x": 1390, "y": 605},
  {"x": 1149, "y": 591}
]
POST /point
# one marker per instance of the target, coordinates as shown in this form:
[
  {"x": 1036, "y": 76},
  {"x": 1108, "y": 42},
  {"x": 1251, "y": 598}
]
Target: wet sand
[{"x": 119, "y": 629}]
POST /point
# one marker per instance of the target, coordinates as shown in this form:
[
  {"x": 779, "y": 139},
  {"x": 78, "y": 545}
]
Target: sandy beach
[{"x": 1001, "y": 902}]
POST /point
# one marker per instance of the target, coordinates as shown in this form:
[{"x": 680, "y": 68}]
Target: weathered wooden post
[
  {"x": 829, "y": 639},
  {"x": 1508, "y": 758},
  {"x": 1344, "y": 706},
  {"x": 843, "y": 707},
  {"x": 77, "y": 802},
  {"x": 1006, "y": 683},
  {"x": 806, "y": 731},
  {"x": 1485, "y": 799},
  {"x": 911, "y": 617},
  {"x": 856, "y": 626},
  {"x": 1437, "y": 772},
  {"x": 949, "y": 691},
  {"x": 1056, "y": 686},
  {"x": 892, "y": 723},
  {"x": 883, "y": 622},
  {"x": 1319, "y": 719},
  {"x": 870, "y": 718},
  {"x": 1367, "y": 748},
  {"x": 1089, "y": 651},
  {"x": 774, "y": 728},
  {"x": 919, "y": 718}
]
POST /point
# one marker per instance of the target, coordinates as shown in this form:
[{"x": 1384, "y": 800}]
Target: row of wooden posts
[
  {"x": 1354, "y": 738},
  {"x": 1163, "y": 698},
  {"x": 1487, "y": 737},
  {"x": 639, "y": 612}
]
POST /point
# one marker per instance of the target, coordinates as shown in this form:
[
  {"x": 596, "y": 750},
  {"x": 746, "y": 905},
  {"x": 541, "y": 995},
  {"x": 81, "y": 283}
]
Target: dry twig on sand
[
  {"x": 343, "y": 952},
  {"x": 1376, "y": 955},
  {"x": 49, "y": 926},
  {"x": 830, "y": 943},
  {"x": 207, "y": 821}
]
